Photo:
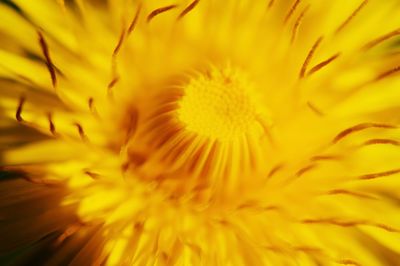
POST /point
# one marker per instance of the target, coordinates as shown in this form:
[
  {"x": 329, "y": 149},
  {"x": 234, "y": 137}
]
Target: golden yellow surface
[{"x": 205, "y": 132}]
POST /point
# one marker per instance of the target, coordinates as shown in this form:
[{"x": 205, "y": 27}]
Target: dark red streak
[{"x": 49, "y": 63}]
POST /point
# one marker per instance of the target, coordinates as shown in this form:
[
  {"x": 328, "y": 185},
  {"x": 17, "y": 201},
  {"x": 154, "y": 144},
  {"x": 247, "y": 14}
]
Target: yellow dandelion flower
[{"x": 200, "y": 132}]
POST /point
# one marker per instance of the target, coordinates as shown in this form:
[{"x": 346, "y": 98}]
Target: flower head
[{"x": 200, "y": 132}]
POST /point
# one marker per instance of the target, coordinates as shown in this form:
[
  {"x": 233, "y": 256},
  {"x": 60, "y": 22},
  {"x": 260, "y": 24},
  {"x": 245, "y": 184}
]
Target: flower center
[
  {"x": 217, "y": 105},
  {"x": 203, "y": 140}
]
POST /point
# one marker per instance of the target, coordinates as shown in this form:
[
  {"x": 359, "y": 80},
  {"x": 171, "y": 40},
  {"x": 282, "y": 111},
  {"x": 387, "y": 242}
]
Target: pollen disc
[{"x": 218, "y": 105}]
